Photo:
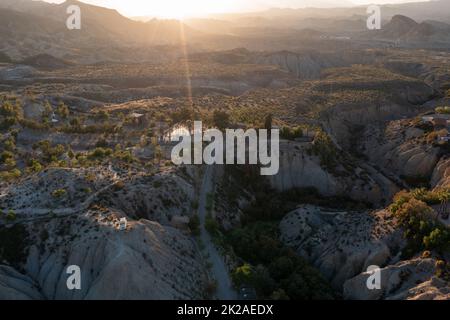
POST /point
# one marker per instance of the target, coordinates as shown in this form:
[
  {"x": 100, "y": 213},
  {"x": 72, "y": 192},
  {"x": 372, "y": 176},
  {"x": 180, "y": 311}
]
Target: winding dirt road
[{"x": 219, "y": 270}]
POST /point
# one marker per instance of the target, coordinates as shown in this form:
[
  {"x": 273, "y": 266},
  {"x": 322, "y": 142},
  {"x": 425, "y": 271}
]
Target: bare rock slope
[{"x": 341, "y": 244}]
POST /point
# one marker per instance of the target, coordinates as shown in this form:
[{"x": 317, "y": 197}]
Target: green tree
[
  {"x": 268, "y": 122},
  {"x": 11, "y": 215},
  {"x": 221, "y": 119},
  {"x": 194, "y": 224},
  {"x": 243, "y": 275},
  {"x": 62, "y": 111}
]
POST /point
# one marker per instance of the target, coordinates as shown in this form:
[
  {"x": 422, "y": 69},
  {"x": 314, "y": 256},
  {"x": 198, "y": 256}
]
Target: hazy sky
[{"x": 187, "y": 8}]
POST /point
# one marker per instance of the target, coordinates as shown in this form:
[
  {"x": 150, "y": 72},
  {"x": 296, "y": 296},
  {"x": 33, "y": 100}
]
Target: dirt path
[{"x": 219, "y": 270}]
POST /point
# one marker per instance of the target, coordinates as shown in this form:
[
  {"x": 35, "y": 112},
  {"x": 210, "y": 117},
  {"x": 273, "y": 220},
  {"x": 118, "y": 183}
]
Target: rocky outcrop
[
  {"x": 300, "y": 169},
  {"x": 309, "y": 65},
  {"x": 16, "y": 286},
  {"x": 401, "y": 149},
  {"x": 405, "y": 29},
  {"x": 441, "y": 174},
  {"x": 157, "y": 198},
  {"x": 407, "y": 280},
  {"x": 345, "y": 120},
  {"x": 341, "y": 244},
  {"x": 147, "y": 261},
  {"x": 154, "y": 197}
]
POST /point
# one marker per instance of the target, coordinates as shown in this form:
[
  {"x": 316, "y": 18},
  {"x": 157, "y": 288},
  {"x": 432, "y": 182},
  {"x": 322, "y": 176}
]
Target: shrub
[
  {"x": 194, "y": 225},
  {"x": 438, "y": 239},
  {"x": 11, "y": 215},
  {"x": 101, "y": 115},
  {"x": 221, "y": 119},
  {"x": 100, "y": 153},
  {"x": 34, "y": 166},
  {"x": 212, "y": 226},
  {"x": 32, "y": 124},
  {"x": 124, "y": 156},
  {"x": 5, "y": 155},
  {"x": 10, "y": 175},
  {"x": 420, "y": 226},
  {"x": 325, "y": 149},
  {"x": 62, "y": 111},
  {"x": 7, "y": 123},
  {"x": 9, "y": 110},
  {"x": 48, "y": 110},
  {"x": 443, "y": 110},
  {"x": 289, "y": 133},
  {"x": 59, "y": 193},
  {"x": 242, "y": 275}
]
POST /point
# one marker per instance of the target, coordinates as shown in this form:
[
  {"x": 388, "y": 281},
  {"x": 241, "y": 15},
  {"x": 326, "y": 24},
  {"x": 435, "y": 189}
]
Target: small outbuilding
[{"x": 123, "y": 224}]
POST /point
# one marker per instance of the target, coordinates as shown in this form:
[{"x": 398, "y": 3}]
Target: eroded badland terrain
[{"x": 86, "y": 177}]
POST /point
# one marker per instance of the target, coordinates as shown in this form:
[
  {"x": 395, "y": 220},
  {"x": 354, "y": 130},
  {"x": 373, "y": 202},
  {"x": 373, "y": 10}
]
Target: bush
[
  {"x": 32, "y": 124},
  {"x": 325, "y": 149},
  {"x": 212, "y": 226},
  {"x": 13, "y": 245},
  {"x": 50, "y": 154},
  {"x": 10, "y": 175},
  {"x": 420, "y": 226},
  {"x": 289, "y": 133},
  {"x": 62, "y": 111},
  {"x": 438, "y": 239},
  {"x": 194, "y": 225},
  {"x": 59, "y": 193},
  {"x": 443, "y": 110},
  {"x": 243, "y": 275},
  {"x": 100, "y": 153},
  {"x": 124, "y": 156},
  {"x": 34, "y": 166},
  {"x": 5, "y": 155},
  {"x": 11, "y": 216},
  {"x": 221, "y": 119},
  {"x": 9, "y": 110},
  {"x": 101, "y": 115}
]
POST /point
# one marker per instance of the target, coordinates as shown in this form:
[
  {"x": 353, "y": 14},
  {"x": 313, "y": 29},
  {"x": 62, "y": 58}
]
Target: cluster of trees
[
  {"x": 8, "y": 159},
  {"x": 444, "y": 110},
  {"x": 101, "y": 116},
  {"x": 324, "y": 148},
  {"x": 194, "y": 225},
  {"x": 14, "y": 242},
  {"x": 275, "y": 271},
  {"x": 49, "y": 153},
  {"x": 221, "y": 119},
  {"x": 9, "y": 114},
  {"x": 182, "y": 114},
  {"x": 75, "y": 126},
  {"x": 61, "y": 110},
  {"x": 270, "y": 205},
  {"x": 419, "y": 222},
  {"x": 290, "y": 133},
  {"x": 100, "y": 154}
]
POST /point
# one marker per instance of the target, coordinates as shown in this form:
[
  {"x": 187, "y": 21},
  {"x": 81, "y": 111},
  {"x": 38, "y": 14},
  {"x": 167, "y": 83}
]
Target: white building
[{"x": 123, "y": 223}]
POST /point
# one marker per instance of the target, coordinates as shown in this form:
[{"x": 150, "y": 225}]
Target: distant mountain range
[
  {"x": 34, "y": 27},
  {"x": 402, "y": 28}
]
